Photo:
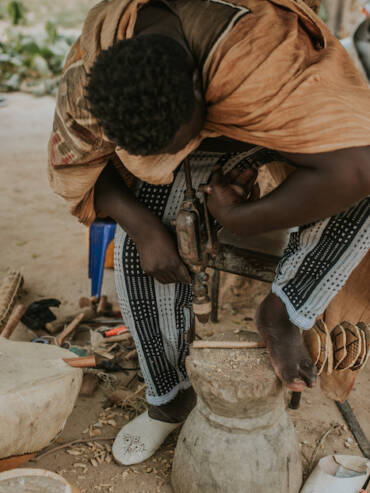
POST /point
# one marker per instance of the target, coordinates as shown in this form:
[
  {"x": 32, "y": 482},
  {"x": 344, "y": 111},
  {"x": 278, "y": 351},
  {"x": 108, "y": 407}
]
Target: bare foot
[{"x": 288, "y": 353}]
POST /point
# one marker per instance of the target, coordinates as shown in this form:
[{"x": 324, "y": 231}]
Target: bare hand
[
  {"x": 159, "y": 257},
  {"x": 227, "y": 192}
]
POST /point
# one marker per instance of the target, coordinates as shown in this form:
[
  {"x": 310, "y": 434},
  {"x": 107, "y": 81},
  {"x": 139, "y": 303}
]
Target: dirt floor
[{"x": 39, "y": 237}]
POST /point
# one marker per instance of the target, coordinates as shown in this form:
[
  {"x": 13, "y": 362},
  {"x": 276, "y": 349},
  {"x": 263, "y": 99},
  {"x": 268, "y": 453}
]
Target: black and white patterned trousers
[{"x": 317, "y": 262}]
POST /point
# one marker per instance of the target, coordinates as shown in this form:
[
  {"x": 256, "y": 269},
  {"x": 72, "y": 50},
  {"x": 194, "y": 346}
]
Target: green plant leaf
[
  {"x": 51, "y": 31},
  {"x": 16, "y": 11}
]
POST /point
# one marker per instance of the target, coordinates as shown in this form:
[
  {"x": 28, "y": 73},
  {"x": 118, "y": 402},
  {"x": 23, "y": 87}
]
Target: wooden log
[
  {"x": 13, "y": 321},
  {"x": 228, "y": 344}
]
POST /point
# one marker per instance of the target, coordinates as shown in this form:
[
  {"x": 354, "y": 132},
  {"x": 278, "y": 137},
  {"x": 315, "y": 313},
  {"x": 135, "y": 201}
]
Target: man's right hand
[
  {"x": 156, "y": 247},
  {"x": 159, "y": 257}
]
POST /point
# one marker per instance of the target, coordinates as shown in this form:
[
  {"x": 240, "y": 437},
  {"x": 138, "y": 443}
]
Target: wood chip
[
  {"x": 122, "y": 397},
  {"x": 94, "y": 462},
  {"x": 95, "y": 432},
  {"x": 74, "y": 452},
  {"x": 100, "y": 458}
]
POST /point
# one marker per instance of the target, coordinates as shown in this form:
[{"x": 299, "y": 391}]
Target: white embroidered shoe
[{"x": 140, "y": 439}]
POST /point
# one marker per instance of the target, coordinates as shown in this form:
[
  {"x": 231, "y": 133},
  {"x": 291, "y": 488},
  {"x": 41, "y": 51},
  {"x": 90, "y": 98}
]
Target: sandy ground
[{"x": 40, "y": 237}]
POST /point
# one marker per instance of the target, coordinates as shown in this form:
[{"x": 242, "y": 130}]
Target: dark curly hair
[{"x": 141, "y": 92}]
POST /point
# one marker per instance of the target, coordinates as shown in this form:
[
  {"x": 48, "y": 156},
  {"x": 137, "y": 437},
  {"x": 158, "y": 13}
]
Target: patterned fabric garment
[
  {"x": 295, "y": 64},
  {"x": 317, "y": 262}
]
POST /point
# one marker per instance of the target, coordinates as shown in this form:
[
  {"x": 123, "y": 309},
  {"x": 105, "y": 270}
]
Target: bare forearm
[
  {"x": 308, "y": 194},
  {"x": 114, "y": 199},
  {"x": 301, "y": 199},
  {"x": 155, "y": 245}
]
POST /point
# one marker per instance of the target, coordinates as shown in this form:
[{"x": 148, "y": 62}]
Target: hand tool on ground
[
  {"x": 89, "y": 313},
  {"x": 85, "y": 302},
  {"x": 38, "y": 313},
  {"x": 13, "y": 321},
  {"x": 119, "y": 338},
  {"x": 69, "y": 329},
  {"x": 131, "y": 355},
  {"x": 122, "y": 329},
  {"x": 103, "y": 306},
  {"x": 97, "y": 361},
  {"x": 9, "y": 292},
  {"x": 83, "y": 361}
]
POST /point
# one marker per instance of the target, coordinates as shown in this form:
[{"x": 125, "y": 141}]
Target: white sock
[{"x": 140, "y": 439}]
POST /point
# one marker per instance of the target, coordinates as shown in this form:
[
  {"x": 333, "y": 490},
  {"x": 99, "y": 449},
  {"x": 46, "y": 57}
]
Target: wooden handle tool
[
  {"x": 121, "y": 337},
  {"x": 131, "y": 355},
  {"x": 82, "y": 362},
  {"x": 13, "y": 321},
  {"x": 69, "y": 329},
  {"x": 93, "y": 361}
]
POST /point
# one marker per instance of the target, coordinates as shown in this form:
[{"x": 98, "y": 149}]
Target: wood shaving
[{"x": 74, "y": 452}]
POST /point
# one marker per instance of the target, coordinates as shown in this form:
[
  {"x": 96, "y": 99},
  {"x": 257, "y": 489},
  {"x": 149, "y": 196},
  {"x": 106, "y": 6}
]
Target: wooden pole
[{"x": 228, "y": 344}]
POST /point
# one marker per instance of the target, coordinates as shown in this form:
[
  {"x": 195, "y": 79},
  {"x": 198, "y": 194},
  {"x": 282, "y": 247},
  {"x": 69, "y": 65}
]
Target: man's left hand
[{"x": 227, "y": 192}]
